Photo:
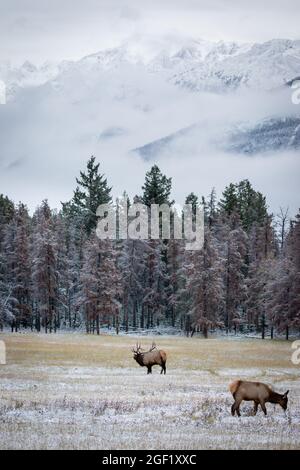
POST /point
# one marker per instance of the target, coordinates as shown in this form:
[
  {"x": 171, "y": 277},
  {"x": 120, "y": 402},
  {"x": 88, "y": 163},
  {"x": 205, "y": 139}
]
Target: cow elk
[
  {"x": 150, "y": 358},
  {"x": 258, "y": 392}
]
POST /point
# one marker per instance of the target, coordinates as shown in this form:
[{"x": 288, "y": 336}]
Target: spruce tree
[
  {"x": 249, "y": 204},
  {"x": 44, "y": 268},
  {"x": 20, "y": 265},
  {"x": 157, "y": 188},
  {"x": 193, "y": 200},
  {"x": 92, "y": 190},
  {"x": 7, "y": 210},
  {"x": 205, "y": 286},
  {"x": 229, "y": 202}
]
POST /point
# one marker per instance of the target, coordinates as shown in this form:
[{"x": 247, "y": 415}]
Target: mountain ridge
[{"x": 196, "y": 65}]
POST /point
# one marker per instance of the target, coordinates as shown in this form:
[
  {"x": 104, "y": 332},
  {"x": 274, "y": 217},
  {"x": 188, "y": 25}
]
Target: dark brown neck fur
[
  {"x": 275, "y": 397},
  {"x": 139, "y": 359}
]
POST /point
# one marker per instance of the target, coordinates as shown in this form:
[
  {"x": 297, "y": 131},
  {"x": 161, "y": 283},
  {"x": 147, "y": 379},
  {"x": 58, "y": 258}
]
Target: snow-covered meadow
[{"x": 85, "y": 392}]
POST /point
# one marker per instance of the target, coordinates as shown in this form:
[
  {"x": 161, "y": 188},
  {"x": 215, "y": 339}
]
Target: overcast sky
[
  {"x": 40, "y": 30},
  {"x": 47, "y": 136}
]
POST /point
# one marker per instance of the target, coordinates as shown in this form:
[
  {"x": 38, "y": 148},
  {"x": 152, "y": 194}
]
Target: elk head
[
  {"x": 283, "y": 401},
  {"x": 137, "y": 350}
]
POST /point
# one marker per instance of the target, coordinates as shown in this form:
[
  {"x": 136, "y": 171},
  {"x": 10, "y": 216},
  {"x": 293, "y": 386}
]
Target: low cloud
[{"x": 48, "y": 133}]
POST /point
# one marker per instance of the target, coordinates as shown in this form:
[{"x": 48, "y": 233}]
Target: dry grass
[{"x": 79, "y": 391}]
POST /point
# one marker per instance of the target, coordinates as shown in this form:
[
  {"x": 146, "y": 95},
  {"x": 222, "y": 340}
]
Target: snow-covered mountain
[
  {"x": 230, "y": 66},
  {"x": 29, "y": 75},
  {"x": 195, "y": 64},
  {"x": 156, "y": 99},
  {"x": 268, "y": 135}
]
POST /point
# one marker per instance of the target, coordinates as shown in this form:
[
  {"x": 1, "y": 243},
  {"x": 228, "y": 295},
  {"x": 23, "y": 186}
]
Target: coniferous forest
[{"x": 55, "y": 273}]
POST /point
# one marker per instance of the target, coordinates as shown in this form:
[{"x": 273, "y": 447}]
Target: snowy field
[{"x": 72, "y": 391}]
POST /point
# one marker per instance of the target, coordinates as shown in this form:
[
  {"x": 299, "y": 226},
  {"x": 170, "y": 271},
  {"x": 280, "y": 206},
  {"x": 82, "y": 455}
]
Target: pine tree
[
  {"x": 261, "y": 253},
  {"x": 101, "y": 285},
  {"x": 154, "y": 299},
  {"x": 205, "y": 286},
  {"x": 284, "y": 291},
  {"x": 229, "y": 203},
  {"x": 8, "y": 302},
  {"x": 7, "y": 210},
  {"x": 258, "y": 282},
  {"x": 293, "y": 254},
  {"x": 67, "y": 276},
  {"x": 211, "y": 207},
  {"x": 18, "y": 255},
  {"x": 157, "y": 188},
  {"x": 175, "y": 282},
  {"x": 193, "y": 200},
  {"x": 282, "y": 222},
  {"x": 76, "y": 238},
  {"x": 277, "y": 289},
  {"x": 44, "y": 269},
  {"x": 234, "y": 272},
  {"x": 92, "y": 190},
  {"x": 249, "y": 204},
  {"x": 132, "y": 263}
]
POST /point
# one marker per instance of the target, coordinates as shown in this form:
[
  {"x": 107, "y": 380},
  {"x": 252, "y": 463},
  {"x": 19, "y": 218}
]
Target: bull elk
[
  {"x": 150, "y": 358},
  {"x": 258, "y": 392}
]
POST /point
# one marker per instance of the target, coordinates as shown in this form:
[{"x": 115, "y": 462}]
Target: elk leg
[
  {"x": 263, "y": 407},
  {"x": 237, "y": 406},
  {"x": 149, "y": 370},
  {"x": 233, "y": 409},
  {"x": 255, "y": 407},
  {"x": 163, "y": 369}
]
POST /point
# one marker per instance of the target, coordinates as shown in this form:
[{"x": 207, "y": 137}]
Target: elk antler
[
  {"x": 137, "y": 348},
  {"x": 153, "y": 346}
]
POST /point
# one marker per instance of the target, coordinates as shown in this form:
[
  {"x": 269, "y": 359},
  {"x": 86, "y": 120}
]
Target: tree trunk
[
  {"x": 134, "y": 315},
  {"x": 263, "y": 326},
  {"x": 38, "y": 323},
  {"x": 287, "y": 333},
  {"x": 117, "y": 324},
  {"x": 69, "y": 312},
  {"x": 173, "y": 316},
  {"x": 187, "y": 326},
  {"x": 126, "y": 320},
  {"x": 75, "y": 319},
  {"x": 151, "y": 318}
]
